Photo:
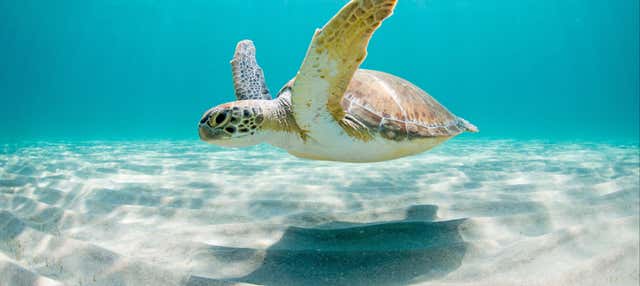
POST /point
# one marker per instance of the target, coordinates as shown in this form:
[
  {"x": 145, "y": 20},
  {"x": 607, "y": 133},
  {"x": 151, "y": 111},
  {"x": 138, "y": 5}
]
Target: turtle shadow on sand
[{"x": 414, "y": 249}]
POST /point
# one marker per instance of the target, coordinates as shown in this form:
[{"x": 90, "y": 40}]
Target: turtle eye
[{"x": 221, "y": 117}]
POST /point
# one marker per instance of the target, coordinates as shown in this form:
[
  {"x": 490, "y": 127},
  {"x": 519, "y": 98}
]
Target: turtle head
[{"x": 235, "y": 124}]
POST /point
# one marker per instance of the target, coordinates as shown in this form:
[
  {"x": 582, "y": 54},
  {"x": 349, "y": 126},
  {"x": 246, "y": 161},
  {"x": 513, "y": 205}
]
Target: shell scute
[
  {"x": 364, "y": 114},
  {"x": 393, "y": 129},
  {"x": 397, "y": 109}
]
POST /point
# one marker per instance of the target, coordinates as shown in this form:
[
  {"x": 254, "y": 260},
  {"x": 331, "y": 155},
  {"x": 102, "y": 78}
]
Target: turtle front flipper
[
  {"x": 248, "y": 78},
  {"x": 335, "y": 54}
]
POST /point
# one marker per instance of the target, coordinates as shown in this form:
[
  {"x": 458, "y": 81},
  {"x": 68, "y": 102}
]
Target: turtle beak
[
  {"x": 202, "y": 133},
  {"x": 205, "y": 131},
  {"x": 202, "y": 126},
  {"x": 209, "y": 134}
]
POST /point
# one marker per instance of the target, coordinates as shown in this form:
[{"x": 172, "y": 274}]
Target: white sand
[{"x": 468, "y": 213}]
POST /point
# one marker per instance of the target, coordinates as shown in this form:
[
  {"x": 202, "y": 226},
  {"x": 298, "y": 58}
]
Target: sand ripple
[{"x": 471, "y": 212}]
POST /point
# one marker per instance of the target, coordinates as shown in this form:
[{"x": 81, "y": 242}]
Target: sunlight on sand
[{"x": 184, "y": 213}]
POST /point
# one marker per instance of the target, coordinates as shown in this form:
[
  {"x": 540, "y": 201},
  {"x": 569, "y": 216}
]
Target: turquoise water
[
  {"x": 146, "y": 69},
  {"x": 103, "y": 180}
]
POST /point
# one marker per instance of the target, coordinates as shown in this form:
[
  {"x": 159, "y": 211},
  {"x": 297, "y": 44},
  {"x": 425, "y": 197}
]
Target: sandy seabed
[{"x": 471, "y": 212}]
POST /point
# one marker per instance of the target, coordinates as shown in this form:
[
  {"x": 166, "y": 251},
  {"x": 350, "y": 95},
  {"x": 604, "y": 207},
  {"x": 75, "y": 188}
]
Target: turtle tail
[{"x": 467, "y": 126}]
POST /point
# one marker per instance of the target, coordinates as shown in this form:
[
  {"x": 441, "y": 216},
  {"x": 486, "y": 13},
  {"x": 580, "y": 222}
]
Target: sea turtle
[{"x": 332, "y": 110}]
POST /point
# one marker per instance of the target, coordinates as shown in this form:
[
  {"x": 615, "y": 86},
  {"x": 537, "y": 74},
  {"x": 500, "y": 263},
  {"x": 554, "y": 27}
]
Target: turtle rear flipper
[
  {"x": 468, "y": 126},
  {"x": 248, "y": 78}
]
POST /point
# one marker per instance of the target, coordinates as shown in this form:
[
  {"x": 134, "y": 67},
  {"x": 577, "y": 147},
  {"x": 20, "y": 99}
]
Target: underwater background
[
  {"x": 103, "y": 180},
  {"x": 145, "y": 69}
]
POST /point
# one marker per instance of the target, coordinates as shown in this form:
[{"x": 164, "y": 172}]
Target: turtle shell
[{"x": 397, "y": 109}]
